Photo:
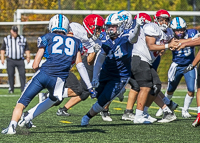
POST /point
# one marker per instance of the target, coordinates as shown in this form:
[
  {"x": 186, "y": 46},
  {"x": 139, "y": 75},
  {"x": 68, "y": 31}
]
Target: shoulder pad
[
  {"x": 152, "y": 29},
  {"x": 79, "y": 31},
  {"x": 191, "y": 32}
]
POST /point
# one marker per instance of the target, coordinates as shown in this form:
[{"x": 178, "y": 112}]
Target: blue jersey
[
  {"x": 118, "y": 59},
  {"x": 186, "y": 55},
  {"x": 60, "y": 52}
]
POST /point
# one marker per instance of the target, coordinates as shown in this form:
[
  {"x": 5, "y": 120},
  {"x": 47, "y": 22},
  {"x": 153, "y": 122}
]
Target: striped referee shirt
[{"x": 15, "y": 47}]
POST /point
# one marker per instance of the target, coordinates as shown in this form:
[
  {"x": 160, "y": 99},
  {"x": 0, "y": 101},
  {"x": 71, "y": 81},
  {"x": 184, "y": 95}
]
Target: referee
[{"x": 14, "y": 46}]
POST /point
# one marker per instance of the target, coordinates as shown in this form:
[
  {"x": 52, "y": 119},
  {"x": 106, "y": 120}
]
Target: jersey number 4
[
  {"x": 69, "y": 45},
  {"x": 117, "y": 53}
]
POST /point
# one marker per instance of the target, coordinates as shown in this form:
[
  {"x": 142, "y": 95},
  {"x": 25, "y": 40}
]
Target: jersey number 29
[{"x": 69, "y": 45}]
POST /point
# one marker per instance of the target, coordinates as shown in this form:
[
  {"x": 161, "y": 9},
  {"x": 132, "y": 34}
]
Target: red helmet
[
  {"x": 147, "y": 18},
  {"x": 92, "y": 22},
  {"x": 162, "y": 13}
]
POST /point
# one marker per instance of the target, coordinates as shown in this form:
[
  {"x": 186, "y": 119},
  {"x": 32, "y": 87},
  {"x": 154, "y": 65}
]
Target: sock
[
  {"x": 198, "y": 109},
  {"x": 166, "y": 100},
  {"x": 38, "y": 109},
  {"x": 168, "y": 96},
  {"x": 166, "y": 109},
  {"x": 146, "y": 110},
  {"x": 138, "y": 112},
  {"x": 187, "y": 102},
  {"x": 13, "y": 123},
  {"x": 128, "y": 111},
  {"x": 64, "y": 108},
  {"x": 88, "y": 114}
]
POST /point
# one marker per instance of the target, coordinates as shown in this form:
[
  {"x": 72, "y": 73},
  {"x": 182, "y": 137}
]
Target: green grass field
[{"x": 55, "y": 129}]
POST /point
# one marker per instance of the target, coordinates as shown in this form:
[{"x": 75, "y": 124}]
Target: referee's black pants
[{"x": 11, "y": 64}]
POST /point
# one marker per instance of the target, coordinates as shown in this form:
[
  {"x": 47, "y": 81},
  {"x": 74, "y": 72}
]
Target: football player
[
  {"x": 53, "y": 73},
  {"x": 155, "y": 35},
  {"x": 181, "y": 59},
  {"x": 182, "y": 45},
  {"x": 127, "y": 17},
  {"x": 113, "y": 63}
]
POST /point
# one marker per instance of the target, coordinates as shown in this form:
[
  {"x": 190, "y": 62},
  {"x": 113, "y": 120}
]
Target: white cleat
[
  {"x": 85, "y": 120},
  {"x": 128, "y": 116},
  {"x": 168, "y": 117},
  {"x": 159, "y": 113},
  {"x": 9, "y": 131},
  {"x": 141, "y": 120},
  {"x": 185, "y": 114},
  {"x": 151, "y": 119},
  {"x": 106, "y": 116}
]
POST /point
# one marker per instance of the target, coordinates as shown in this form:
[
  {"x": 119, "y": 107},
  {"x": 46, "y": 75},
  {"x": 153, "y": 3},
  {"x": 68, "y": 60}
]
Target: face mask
[{"x": 179, "y": 36}]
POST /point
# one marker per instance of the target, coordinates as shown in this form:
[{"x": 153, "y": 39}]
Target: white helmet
[
  {"x": 127, "y": 18},
  {"x": 178, "y": 23},
  {"x": 114, "y": 19},
  {"x": 59, "y": 22}
]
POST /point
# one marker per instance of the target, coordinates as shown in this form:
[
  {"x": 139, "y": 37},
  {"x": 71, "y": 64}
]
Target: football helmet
[
  {"x": 147, "y": 18},
  {"x": 127, "y": 16},
  {"x": 178, "y": 24},
  {"x": 162, "y": 14},
  {"x": 114, "y": 19},
  {"x": 60, "y": 23},
  {"x": 92, "y": 23}
]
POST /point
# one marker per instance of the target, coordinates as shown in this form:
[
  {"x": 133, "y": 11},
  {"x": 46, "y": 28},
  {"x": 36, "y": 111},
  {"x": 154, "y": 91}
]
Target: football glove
[
  {"x": 188, "y": 68},
  {"x": 139, "y": 21},
  {"x": 93, "y": 93},
  {"x": 95, "y": 83},
  {"x": 96, "y": 47}
]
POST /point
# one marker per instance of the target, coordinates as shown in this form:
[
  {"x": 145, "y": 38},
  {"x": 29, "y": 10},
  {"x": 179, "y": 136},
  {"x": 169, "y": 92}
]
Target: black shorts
[
  {"x": 143, "y": 73},
  {"x": 73, "y": 83}
]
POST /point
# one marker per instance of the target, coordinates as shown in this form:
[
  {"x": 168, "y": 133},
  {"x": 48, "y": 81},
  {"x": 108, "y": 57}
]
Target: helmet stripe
[
  {"x": 178, "y": 23},
  {"x": 60, "y": 20}
]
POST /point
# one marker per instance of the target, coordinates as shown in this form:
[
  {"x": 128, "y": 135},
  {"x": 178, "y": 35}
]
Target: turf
[{"x": 56, "y": 129}]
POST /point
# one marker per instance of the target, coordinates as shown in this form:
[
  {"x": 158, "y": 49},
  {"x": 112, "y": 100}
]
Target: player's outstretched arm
[
  {"x": 82, "y": 70},
  {"x": 101, "y": 55},
  {"x": 38, "y": 59},
  {"x": 134, "y": 33},
  {"x": 194, "y": 42}
]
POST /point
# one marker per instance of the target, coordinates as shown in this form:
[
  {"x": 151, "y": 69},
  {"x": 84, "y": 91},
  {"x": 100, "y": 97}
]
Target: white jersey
[
  {"x": 141, "y": 49},
  {"x": 80, "y": 33}
]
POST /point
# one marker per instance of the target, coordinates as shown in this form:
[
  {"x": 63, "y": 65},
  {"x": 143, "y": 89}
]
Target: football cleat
[
  {"x": 105, "y": 116},
  {"x": 159, "y": 112},
  {"x": 62, "y": 112},
  {"x": 196, "y": 122},
  {"x": 9, "y": 131},
  {"x": 168, "y": 117},
  {"x": 151, "y": 119},
  {"x": 128, "y": 115},
  {"x": 22, "y": 122},
  {"x": 85, "y": 120},
  {"x": 185, "y": 114},
  {"x": 141, "y": 120}
]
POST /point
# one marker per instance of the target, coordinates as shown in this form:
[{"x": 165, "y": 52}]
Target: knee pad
[
  {"x": 84, "y": 95},
  {"x": 97, "y": 108},
  {"x": 155, "y": 89}
]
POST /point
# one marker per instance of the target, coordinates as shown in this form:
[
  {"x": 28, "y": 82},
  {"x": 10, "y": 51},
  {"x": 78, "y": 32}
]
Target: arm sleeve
[
  {"x": 134, "y": 33},
  {"x": 101, "y": 55},
  {"x": 83, "y": 72}
]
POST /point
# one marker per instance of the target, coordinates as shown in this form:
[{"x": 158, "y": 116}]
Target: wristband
[{"x": 166, "y": 46}]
